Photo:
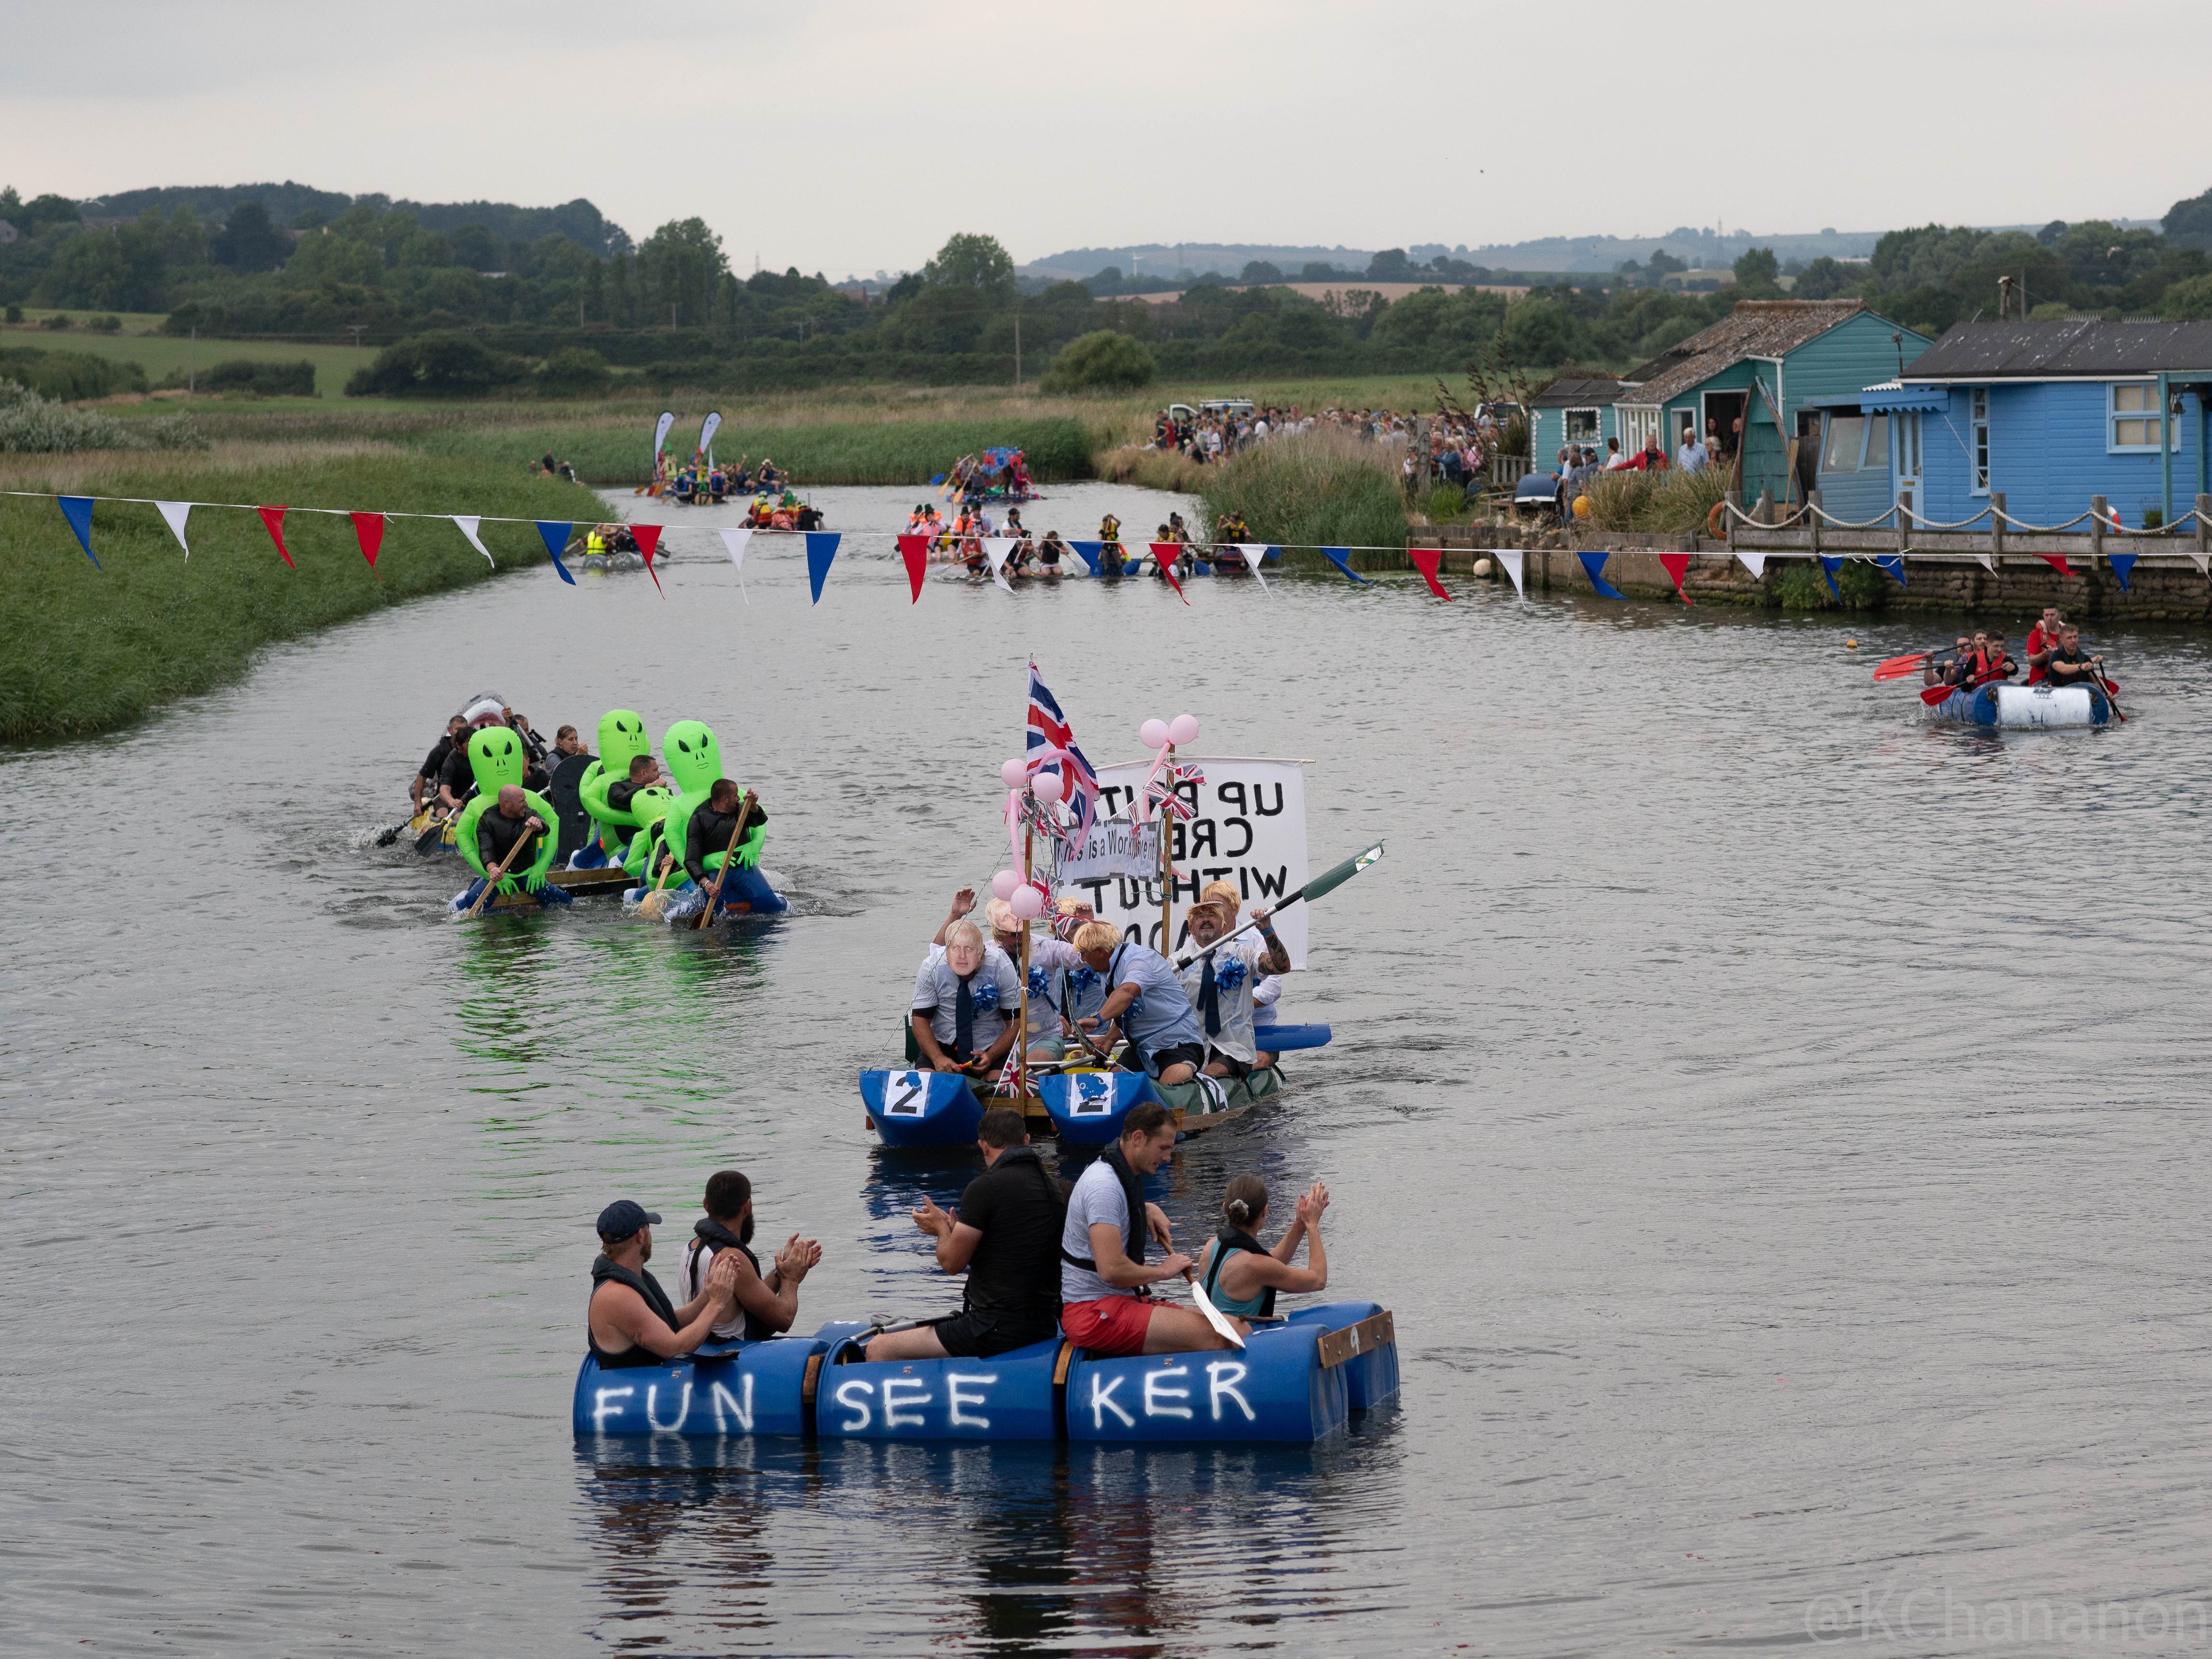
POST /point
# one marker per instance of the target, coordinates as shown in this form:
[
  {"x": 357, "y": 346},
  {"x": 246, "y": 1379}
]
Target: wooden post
[
  {"x": 1813, "y": 519},
  {"x": 1765, "y": 511},
  {"x": 1022, "y": 1033},
  {"x": 2097, "y": 526},
  {"x": 1734, "y": 499},
  {"x": 2205, "y": 524},
  {"x": 1904, "y": 525},
  {"x": 1167, "y": 869},
  {"x": 1996, "y": 525},
  {"x": 1421, "y": 457}
]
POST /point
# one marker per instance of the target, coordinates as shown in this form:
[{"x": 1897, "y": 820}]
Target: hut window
[
  {"x": 1981, "y": 440},
  {"x": 1846, "y": 438},
  {"x": 2133, "y": 415},
  {"x": 1877, "y": 449},
  {"x": 1582, "y": 424}
]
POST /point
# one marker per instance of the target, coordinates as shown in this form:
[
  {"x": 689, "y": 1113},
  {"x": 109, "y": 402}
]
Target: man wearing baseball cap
[{"x": 631, "y": 1321}]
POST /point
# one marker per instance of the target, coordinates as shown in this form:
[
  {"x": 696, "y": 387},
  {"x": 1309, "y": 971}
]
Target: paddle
[
  {"x": 1327, "y": 882},
  {"x": 714, "y": 893},
  {"x": 499, "y": 872},
  {"x": 386, "y": 837},
  {"x": 1897, "y": 667},
  {"x": 429, "y": 838},
  {"x": 1213, "y": 1314},
  {"x": 2110, "y": 688}
]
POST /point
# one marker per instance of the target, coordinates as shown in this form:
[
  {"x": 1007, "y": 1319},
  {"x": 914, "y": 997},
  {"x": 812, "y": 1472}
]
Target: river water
[{"x": 1776, "y": 1123}]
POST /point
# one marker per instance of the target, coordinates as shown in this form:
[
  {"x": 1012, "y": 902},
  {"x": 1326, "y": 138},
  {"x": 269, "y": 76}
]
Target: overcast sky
[{"x": 851, "y": 136}]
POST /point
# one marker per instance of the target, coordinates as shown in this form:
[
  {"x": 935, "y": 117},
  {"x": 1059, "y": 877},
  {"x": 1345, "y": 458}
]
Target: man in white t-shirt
[
  {"x": 1105, "y": 1283},
  {"x": 1221, "y": 982},
  {"x": 964, "y": 1004}
]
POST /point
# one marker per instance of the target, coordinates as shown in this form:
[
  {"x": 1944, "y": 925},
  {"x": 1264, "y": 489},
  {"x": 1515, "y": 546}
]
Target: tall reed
[{"x": 1321, "y": 489}]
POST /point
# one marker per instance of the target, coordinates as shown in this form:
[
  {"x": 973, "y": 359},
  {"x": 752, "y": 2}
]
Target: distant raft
[
  {"x": 1295, "y": 1381},
  {"x": 2026, "y": 708}
]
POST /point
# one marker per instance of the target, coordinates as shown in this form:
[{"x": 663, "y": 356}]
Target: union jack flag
[
  {"x": 1049, "y": 729},
  {"x": 1163, "y": 791}
]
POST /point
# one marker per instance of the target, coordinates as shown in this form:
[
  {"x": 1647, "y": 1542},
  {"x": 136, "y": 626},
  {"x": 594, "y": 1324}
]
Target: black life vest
[
  {"x": 605, "y": 1270},
  {"x": 1227, "y": 1242},
  {"x": 711, "y": 1232},
  {"x": 1132, "y": 1194}
]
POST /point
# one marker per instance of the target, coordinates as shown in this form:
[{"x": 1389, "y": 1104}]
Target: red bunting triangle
[
  {"x": 273, "y": 519},
  {"x": 368, "y": 530},
  {"x": 1165, "y": 555},
  {"x": 1425, "y": 560},
  {"x": 2057, "y": 562},
  {"x": 648, "y": 540},
  {"x": 915, "y": 550},
  {"x": 1676, "y": 564}
]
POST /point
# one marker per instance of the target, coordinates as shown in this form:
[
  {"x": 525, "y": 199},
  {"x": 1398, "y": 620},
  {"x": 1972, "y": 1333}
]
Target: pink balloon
[
  {"x": 1183, "y": 729},
  {"x": 1012, "y": 773},
  {"x": 1152, "y": 733},
  {"x": 1004, "y": 883},
  {"x": 1046, "y": 787},
  {"x": 1027, "y": 902}
]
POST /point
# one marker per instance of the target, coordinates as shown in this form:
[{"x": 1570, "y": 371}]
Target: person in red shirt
[{"x": 2042, "y": 641}]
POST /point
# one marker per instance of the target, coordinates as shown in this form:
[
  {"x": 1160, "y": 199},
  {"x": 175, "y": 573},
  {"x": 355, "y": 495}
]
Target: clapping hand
[
  {"x": 936, "y": 1223},
  {"x": 797, "y": 1256},
  {"x": 722, "y": 1277},
  {"x": 1311, "y": 1203}
]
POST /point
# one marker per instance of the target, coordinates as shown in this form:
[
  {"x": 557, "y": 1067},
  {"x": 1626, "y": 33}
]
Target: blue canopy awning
[{"x": 1891, "y": 400}]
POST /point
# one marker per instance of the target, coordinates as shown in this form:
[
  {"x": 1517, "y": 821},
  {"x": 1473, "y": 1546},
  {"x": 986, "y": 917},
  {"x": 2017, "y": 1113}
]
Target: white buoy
[{"x": 1482, "y": 567}]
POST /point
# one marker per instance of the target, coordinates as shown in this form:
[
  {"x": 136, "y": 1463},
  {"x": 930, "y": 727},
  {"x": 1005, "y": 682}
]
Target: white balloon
[
  {"x": 1153, "y": 734},
  {"x": 1012, "y": 773},
  {"x": 1183, "y": 729},
  {"x": 1004, "y": 883},
  {"x": 1046, "y": 787},
  {"x": 1027, "y": 902}
]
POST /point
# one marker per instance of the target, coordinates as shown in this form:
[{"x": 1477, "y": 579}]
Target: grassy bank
[
  {"x": 160, "y": 354},
  {"x": 85, "y": 649}
]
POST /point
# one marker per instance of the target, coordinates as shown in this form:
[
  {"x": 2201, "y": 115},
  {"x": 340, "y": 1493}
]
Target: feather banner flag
[
  {"x": 914, "y": 550},
  {"x": 661, "y": 435},
  {"x": 368, "y": 531},
  {"x": 1513, "y": 559},
  {"x": 1892, "y": 562},
  {"x": 1253, "y": 552},
  {"x": 272, "y": 519},
  {"x": 1595, "y": 564},
  {"x": 554, "y": 533},
  {"x": 648, "y": 542},
  {"x": 1829, "y": 565},
  {"x": 77, "y": 509},
  {"x": 2057, "y": 562},
  {"x": 1092, "y": 553},
  {"x": 1341, "y": 558},
  {"x": 1677, "y": 565},
  {"x": 996, "y": 549},
  {"x": 1425, "y": 560},
  {"x": 707, "y": 428},
  {"x": 821, "y": 548},
  {"x": 176, "y": 512},
  {"x": 1165, "y": 555},
  {"x": 2122, "y": 563},
  {"x": 468, "y": 523}
]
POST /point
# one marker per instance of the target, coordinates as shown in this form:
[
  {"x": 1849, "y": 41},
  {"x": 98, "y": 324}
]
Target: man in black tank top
[
  {"x": 629, "y": 1320},
  {"x": 763, "y": 1304}
]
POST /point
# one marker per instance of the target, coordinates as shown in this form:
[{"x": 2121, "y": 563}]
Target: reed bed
[{"x": 1326, "y": 487}]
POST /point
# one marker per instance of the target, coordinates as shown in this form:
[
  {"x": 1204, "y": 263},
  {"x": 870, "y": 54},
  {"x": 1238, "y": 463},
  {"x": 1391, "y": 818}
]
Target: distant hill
[
  {"x": 288, "y": 203},
  {"x": 1195, "y": 259}
]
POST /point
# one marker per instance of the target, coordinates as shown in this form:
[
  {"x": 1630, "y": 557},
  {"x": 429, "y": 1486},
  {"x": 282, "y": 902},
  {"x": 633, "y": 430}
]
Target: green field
[{"x": 158, "y": 354}]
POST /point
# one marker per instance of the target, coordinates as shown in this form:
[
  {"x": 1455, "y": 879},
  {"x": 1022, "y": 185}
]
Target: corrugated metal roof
[
  {"x": 1579, "y": 391},
  {"x": 1756, "y": 328},
  {"x": 2085, "y": 346}
]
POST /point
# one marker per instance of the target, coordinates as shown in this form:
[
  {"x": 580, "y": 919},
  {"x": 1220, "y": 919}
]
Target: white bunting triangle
[
  {"x": 176, "y": 512},
  {"x": 735, "y": 541},
  {"x": 467, "y": 523},
  {"x": 1989, "y": 562},
  {"x": 995, "y": 548},
  {"x": 1754, "y": 562},
  {"x": 2203, "y": 562},
  {"x": 1512, "y": 559},
  {"x": 1254, "y": 552}
]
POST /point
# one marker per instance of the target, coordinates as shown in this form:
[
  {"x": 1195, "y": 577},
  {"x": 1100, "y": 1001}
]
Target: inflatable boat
[
  {"x": 1295, "y": 1380},
  {"x": 2026, "y": 708}
]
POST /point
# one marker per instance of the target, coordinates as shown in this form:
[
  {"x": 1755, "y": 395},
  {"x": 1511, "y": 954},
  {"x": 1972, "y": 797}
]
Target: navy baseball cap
[{"x": 622, "y": 1218}]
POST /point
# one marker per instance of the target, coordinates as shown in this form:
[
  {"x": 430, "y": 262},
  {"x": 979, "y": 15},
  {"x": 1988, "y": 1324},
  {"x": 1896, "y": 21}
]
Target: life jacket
[
  {"x": 1227, "y": 1242},
  {"x": 595, "y": 543},
  {"x": 1132, "y": 1194},
  {"x": 709, "y": 1236},
  {"x": 606, "y": 1270}
]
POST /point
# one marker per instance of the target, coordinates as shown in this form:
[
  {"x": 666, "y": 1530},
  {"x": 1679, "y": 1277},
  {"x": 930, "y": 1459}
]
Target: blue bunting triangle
[
  {"x": 1594, "y": 563},
  {"x": 1828, "y": 568},
  {"x": 821, "y": 548},
  {"x": 77, "y": 509},
  {"x": 1892, "y": 562},
  {"x": 1092, "y": 553},
  {"x": 555, "y": 535},
  {"x": 2121, "y": 563},
  {"x": 1341, "y": 558}
]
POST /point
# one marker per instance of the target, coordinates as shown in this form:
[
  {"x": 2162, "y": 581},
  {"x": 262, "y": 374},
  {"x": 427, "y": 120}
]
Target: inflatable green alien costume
[
  {"x": 622, "y": 740},
  {"x": 694, "y": 759},
  {"x": 496, "y": 757}
]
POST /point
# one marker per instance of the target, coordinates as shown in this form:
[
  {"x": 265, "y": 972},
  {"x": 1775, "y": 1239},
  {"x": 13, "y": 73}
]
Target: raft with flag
[{"x": 1295, "y": 1381}]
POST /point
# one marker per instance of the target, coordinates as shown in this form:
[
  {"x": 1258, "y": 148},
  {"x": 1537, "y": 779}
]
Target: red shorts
[{"x": 1112, "y": 1326}]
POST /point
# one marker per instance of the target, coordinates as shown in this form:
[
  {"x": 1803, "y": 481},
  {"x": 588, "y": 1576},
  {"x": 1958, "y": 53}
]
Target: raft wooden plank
[
  {"x": 1373, "y": 1332},
  {"x": 591, "y": 881}
]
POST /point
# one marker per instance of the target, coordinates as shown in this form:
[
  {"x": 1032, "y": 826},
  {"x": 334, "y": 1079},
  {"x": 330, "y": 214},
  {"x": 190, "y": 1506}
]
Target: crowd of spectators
[{"x": 1459, "y": 444}]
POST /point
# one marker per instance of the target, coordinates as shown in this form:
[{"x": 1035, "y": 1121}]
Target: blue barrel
[
  {"x": 748, "y": 1387},
  {"x": 1275, "y": 1389},
  {"x": 1370, "y": 1375},
  {"x": 921, "y": 1109},
  {"x": 747, "y": 893},
  {"x": 1282, "y": 1039},
  {"x": 1087, "y": 1107},
  {"x": 1006, "y": 1397}
]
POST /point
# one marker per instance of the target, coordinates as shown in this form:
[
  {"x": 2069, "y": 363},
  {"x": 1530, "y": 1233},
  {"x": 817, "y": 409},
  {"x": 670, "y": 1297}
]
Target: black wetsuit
[
  {"x": 709, "y": 832},
  {"x": 497, "y": 833},
  {"x": 457, "y": 775}
]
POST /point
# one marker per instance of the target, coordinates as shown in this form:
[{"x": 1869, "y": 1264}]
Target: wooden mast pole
[
  {"x": 1167, "y": 867},
  {"x": 1022, "y": 1037}
]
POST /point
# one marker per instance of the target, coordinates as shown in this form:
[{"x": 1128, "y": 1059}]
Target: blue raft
[
  {"x": 1295, "y": 1381},
  {"x": 2026, "y": 708}
]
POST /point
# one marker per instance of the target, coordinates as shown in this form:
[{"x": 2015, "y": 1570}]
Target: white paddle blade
[{"x": 1213, "y": 1314}]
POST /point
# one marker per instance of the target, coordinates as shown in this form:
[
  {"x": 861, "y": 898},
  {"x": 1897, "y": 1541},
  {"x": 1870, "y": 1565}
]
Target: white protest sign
[
  {"x": 1114, "y": 847},
  {"x": 1249, "y": 830}
]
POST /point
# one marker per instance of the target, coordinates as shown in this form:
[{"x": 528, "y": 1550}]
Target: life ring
[{"x": 1713, "y": 519}]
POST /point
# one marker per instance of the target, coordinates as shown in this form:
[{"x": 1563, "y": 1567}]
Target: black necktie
[
  {"x": 1209, "y": 995},
  {"x": 964, "y": 1024}
]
